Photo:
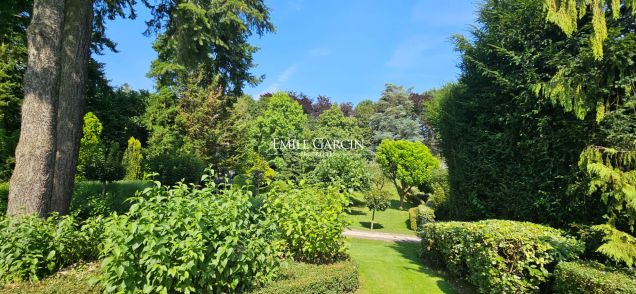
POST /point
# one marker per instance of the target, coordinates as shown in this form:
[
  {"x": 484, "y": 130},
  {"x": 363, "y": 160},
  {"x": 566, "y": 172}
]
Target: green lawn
[
  {"x": 395, "y": 267},
  {"x": 392, "y": 220}
]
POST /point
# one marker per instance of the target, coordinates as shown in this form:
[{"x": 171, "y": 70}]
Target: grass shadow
[
  {"x": 407, "y": 224},
  {"x": 356, "y": 212},
  {"x": 376, "y": 226},
  {"x": 448, "y": 284}
]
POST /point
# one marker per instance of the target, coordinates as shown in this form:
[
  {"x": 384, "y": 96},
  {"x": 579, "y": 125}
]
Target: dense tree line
[{"x": 540, "y": 127}]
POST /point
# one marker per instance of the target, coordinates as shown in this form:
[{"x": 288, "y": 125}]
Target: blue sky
[{"x": 346, "y": 50}]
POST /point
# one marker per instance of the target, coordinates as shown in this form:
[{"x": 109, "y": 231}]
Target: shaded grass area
[
  {"x": 77, "y": 279},
  {"x": 392, "y": 220},
  {"x": 395, "y": 267},
  {"x": 88, "y": 199}
]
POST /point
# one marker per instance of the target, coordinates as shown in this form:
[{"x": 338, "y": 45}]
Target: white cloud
[{"x": 281, "y": 79}]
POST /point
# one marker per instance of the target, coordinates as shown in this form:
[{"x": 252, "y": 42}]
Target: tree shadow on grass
[
  {"x": 356, "y": 212},
  {"x": 376, "y": 226},
  {"x": 448, "y": 284}
]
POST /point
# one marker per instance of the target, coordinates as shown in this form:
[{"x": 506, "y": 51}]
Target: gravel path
[{"x": 380, "y": 236}]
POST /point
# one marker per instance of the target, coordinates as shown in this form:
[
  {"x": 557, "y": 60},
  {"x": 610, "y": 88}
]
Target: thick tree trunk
[
  {"x": 32, "y": 179},
  {"x": 72, "y": 92}
]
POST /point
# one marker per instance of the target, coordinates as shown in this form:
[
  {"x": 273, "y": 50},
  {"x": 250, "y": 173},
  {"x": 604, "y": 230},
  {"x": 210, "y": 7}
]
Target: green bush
[
  {"x": 340, "y": 277},
  {"x": 587, "y": 277},
  {"x": 174, "y": 167},
  {"x": 413, "y": 218},
  {"x": 31, "y": 247},
  {"x": 186, "y": 239},
  {"x": 425, "y": 215},
  {"x": 4, "y": 197},
  {"x": 498, "y": 256},
  {"x": 311, "y": 222},
  {"x": 343, "y": 169},
  {"x": 89, "y": 201}
]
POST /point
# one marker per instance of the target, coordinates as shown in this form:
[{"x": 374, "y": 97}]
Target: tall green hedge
[
  {"x": 582, "y": 277},
  {"x": 498, "y": 256}
]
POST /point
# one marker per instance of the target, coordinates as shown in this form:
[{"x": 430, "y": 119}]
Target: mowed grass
[
  {"x": 392, "y": 220},
  {"x": 395, "y": 267}
]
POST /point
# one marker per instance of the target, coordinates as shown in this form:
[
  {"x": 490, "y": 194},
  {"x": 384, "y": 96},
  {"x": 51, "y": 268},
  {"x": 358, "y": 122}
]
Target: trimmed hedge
[
  {"x": 588, "y": 277},
  {"x": 425, "y": 215},
  {"x": 413, "y": 218},
  {"x": 341, "y": 277},
  {"x": 498, "y": 256}
]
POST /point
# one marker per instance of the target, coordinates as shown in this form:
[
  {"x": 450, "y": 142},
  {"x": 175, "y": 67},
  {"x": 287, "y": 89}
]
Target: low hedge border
[
  {"x": 340, "y": 277},
  {"x": 498, "y": 256},
  {"x": 592, "y": 277}
]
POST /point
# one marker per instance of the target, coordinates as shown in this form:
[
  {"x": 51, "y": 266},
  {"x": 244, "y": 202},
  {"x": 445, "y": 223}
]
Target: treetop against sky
[{"x": 346, "y": 50}]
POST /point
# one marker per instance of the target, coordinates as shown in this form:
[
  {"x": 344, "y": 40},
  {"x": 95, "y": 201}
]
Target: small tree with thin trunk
[
  {"x": 406, "y": 164},
  {"x": 377, "y": 200}
]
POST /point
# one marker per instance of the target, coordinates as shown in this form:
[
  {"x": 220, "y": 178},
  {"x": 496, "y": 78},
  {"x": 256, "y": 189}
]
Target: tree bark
[
  {"x": 72, "y": 96},
  {"x": 32, "y": 179}
]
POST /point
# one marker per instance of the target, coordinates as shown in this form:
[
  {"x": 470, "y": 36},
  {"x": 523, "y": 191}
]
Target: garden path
[{"x": 380, "y": 236}]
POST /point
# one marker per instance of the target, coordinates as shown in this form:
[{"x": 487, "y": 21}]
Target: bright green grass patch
[
  {"x": 395, "y": 267},
  {"x": 393, "y": 220}
]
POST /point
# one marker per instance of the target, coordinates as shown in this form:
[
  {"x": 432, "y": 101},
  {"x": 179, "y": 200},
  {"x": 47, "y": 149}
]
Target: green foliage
[
  {"x": 96, "y": 161},
  {"x": 510, "y": 153},
  {"x": 407, "y": 164},
  {"x": 377, "y": 200},
  {"x": 74, "y": 280},
  {"x": 499, "y": 256},
  {"x": 174, "y": 167},
  {"x": 32, "y": 248},
  {"x": 343, "y": 169},
  {"x": 413, "y": 218},
  {"x": 187, "y": 239},
  {"x": 282, "y": 119},
  {"x": 4, "y": 197},
  {"x": 617, "y": 246},
  {"x": 207, "y": 40},
  {"x": 587, "y": 277},
  {"x": 567, "y": 14},
  {"x": 310, "y": 222},
  {"x": 395, "y": 117},
  {"x": 132, "y": 160},
  {"x": 92, "y": 199},
  {"x": 339, "y": 277},
  {"x": 425, "y": 215}
]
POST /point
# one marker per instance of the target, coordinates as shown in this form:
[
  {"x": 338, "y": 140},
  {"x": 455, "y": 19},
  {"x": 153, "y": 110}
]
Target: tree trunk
[
  {"x": 372, "y": 218},
  {"x": 32, "y": 179},
  {"x": 72, "y": 92}
]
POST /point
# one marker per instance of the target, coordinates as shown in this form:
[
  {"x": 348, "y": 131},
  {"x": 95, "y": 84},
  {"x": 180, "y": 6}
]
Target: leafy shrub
[
  {"x": 4, "y": 197},
  {"x": 587, "y": 277},
  {"x": 311, "y": 222},
  {"x": 498, "y": 256},
  {"x": 424, "y": 216},
  {"x": 31, "y": 247},
  {"x": 187, "y": 239},
  {"x": 343, "y": 169},
  {"x": 174, "y": 167},
  {"x": 413, "y": 218},
  {"x": 340, "y": 277},
  {"x": 88, "y": 199},
  {"x": 606, "y": 244}
]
